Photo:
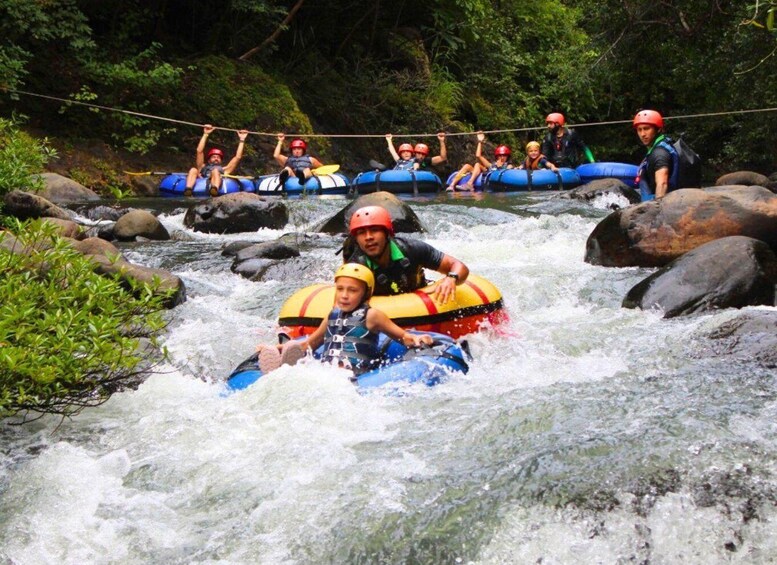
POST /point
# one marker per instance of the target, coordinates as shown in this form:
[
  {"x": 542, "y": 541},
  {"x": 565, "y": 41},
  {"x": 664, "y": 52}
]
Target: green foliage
[
  {"x": 68, "y": 336},
  {"x": 21, "y": 158}
]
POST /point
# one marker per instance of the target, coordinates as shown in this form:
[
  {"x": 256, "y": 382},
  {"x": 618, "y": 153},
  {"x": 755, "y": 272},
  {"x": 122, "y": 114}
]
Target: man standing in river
[{"x": 398, "y": 262}]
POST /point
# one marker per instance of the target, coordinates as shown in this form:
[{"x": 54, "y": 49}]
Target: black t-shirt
[
  {"x": 405, "y": 273},
  {"x": 563, "y": 151},
  {"x": 658, "y": 159}
]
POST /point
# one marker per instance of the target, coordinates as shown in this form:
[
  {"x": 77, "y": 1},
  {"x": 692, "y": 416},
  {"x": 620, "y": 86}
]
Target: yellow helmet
[
  {"x": 532, "y": 144},
  {"x": 358, "y": 272}
]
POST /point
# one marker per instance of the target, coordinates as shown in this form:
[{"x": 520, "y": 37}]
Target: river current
[{"x": 583, "y": 433}]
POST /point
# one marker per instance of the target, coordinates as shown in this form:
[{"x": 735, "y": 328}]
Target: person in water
[
  {"x": 299, "y": 163},
  {"x": 213, "y": 170},
  {"x": 656, "y": 168},
  {"x": 536, "y": 160},
  {"x": 350, "y": 331},
  {"x": 398, "y": 262},
  {"x": 410, "y": 158},
  {"x": 501, "y": 162},
  {"x": 563, "y": 146},
  {"x": 421, "y": 151}
]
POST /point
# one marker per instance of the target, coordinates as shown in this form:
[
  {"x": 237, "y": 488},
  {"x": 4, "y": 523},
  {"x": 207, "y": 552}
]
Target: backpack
[{"x": 687, "y": 173}]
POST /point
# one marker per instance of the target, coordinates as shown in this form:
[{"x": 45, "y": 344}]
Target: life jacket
[
  {"x": 208, "y": 168},
  {"x": 533, "y": 164},
  {"x": 494, "y": 167},
  {"x": 348, "y": 342},
  {"x": 301, "y": 162},
  {"x": 686, "y": 167},
  {"x": 404, "y": 164},
  {"x": 400, "y": 276}
]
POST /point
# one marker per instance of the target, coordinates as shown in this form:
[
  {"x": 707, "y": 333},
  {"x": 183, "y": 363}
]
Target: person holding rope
[
  {"x": 398, "y": 262},
  {"x": 421, "y": 151},
  {"x": 403, "y": 157},
  {"x": 299, "y": 163},
  {"x": 502, "y": 161},
  {"x": 212, "y": 170},
  {"x": 562, "y": 145}
]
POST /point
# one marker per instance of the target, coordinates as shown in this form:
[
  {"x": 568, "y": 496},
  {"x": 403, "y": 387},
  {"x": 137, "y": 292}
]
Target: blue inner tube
[
  {"x": 478, "y": 184},
  {"x": 269, "y": 185},
  {"x": 174, "y": 184},
  {"x": 399, "y": 364},
  {"x": 541, "y": 179},
  {"x": 624, "y": 172},
  {"x": 397, "y": 182}
]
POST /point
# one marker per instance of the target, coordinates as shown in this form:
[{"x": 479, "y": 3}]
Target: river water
[{"x": 583, "y": 433}]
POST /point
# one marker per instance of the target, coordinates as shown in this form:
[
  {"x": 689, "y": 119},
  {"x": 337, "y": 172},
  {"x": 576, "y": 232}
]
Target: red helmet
[
  {"x": 215, "y": 151},
  {"x": 371, "y": 216},
  {"x": 649, "y": 117},
  {"x": 405, "y": 147},
  {"x": 422, "y": 148},
  {"x": 299, "y": 144},
  {"x": 502, "y": 150},
  {"x": 556, "y": 118}
]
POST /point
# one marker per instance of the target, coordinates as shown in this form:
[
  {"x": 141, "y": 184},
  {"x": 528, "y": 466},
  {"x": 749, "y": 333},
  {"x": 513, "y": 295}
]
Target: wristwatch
[{"x": 453, "y": 275}]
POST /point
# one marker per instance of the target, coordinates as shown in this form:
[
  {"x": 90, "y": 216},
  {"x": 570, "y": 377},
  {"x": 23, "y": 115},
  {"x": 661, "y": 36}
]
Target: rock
[
  {"x": 25, "y": 206},
  {"x": 751, "y": 336},
  {"x": 403, "y": 217},
  {"x": 235, "y": 213},
  {"x": 252, "y": 269},
  {"x": 66, "y": 228},
  {"x": 602, "y": 187},
  {"x": 61, "y": 189},
  {"x": 102, "y": 212},
  {"x": 145, "y": 185},
  {"x": 731, "y": 272},
  {"x": 655, "y": 233},
  {"x": 139, "y": 223},
  {"x": 746, "y": 178},
  {"x": 268, "y": 250},
  {"x": 103, "y": 231},
  {"x": 233, "y": 247},
  {"x": 109, "y": 261}
]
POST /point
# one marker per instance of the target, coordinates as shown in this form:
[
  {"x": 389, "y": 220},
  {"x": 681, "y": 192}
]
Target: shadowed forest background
[{"x": 372, "y": 66}]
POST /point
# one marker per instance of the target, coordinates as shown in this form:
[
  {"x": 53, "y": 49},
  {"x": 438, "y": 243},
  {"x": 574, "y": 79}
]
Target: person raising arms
[{"x": 213, "y": 170}]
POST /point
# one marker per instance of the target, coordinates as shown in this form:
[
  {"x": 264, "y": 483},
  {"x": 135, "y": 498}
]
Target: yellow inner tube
[{"x": 476, "y": 301}]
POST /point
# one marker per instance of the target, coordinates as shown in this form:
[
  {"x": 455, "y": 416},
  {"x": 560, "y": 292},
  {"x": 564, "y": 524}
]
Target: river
[{"x": 583, "y": 433}]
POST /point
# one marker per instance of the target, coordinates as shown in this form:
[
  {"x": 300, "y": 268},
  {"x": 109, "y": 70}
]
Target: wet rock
[
  {"x": 603, "y": 187},
  {"x": 252, "y": 269},
  {"x": 235, "y": 213},
  {"x": 727, "y": 273},
  {"x": 750, "y": 337},
  {"x": 25, "y": 206},
  {"x": 267, "y": 250},
  {"x": 102, "y": 212},
  {"x": 403, "y": 217},
  {"x": 103, "y": 231},
  {"x": 655, "y": 233},
  {"x": 233, "y": 247},
  {"x": 139, "y": 223},
  {"x": 61, "y": 189}
]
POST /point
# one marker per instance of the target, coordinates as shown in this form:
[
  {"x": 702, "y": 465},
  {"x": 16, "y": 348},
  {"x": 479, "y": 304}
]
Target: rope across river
[{"x": 370, "y": 135}]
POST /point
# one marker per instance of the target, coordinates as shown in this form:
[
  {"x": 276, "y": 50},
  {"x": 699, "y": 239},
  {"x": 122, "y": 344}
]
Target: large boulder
[
  {"x": 726, "y": 273},
  {"x": 66, "y": 228},
  {"x": 235, "y": 213},
  {"x": 603, "y": 187},
  {"x": 403, "y": 217},
  {"x": 139, "y": 223},
  {"x": 26, "y": 206},
  {"x": 61, "y": 189},
  {"x": 655, "y": 233}
]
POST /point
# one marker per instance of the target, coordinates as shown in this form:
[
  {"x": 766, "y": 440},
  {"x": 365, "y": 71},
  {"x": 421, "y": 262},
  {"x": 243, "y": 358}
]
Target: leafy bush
[
  {"x": 21, "y": 158},
  {"x": 68, "y": 336}
]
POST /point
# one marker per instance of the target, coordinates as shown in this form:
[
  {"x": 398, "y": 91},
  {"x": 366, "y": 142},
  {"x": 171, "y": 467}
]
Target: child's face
[
  {"x": 349, "y": 293},
  {"x": 405, "y": 155},
  {"x": 297, "y": 151},
  {"x": 533, "y": 153}
]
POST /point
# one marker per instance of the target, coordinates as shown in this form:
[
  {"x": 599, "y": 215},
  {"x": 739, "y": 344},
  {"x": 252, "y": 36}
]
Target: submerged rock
[{"x": 235, "y": 213}]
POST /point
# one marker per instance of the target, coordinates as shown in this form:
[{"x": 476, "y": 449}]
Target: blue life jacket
[
  {"x": 644, "y": 187},
  {"x": 404, "y": 165},
  {"x": 348, "y": 342}
]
